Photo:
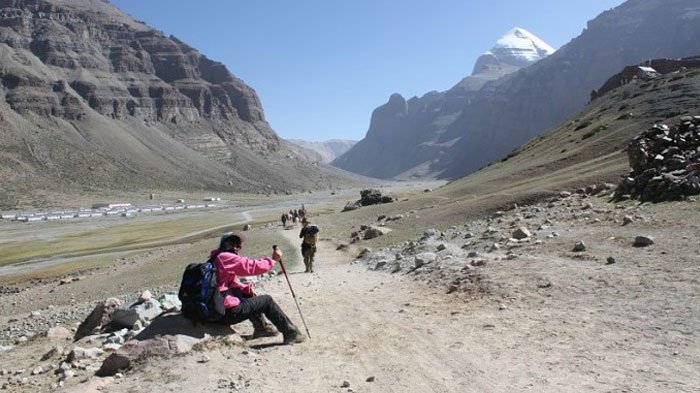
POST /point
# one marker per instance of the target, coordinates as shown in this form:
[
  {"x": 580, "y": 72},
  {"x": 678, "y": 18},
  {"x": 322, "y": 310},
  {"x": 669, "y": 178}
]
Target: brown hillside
[{"x": 95, "y": 100}]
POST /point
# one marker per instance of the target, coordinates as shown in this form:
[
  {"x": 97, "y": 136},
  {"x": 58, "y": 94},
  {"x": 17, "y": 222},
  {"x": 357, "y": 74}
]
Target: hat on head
[{"x": 228, "y": 236}]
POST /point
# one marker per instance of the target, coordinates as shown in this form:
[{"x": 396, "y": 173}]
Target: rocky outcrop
[
  {"x": 665, "y": 163},
  {"x": 119, "y": 70},
  {"x": 631, "y": 73},
  {"x": 168, "y": 335}
]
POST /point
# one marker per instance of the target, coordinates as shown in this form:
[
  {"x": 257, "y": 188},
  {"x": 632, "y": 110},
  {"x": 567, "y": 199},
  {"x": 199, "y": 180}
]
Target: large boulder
[
  {"x": 140, "y": 311},
  {"x": 100, "y": 316},
  {"x": 167, "y": 335}
]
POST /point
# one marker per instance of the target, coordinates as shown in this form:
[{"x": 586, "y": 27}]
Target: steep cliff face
[
  {"x": 474, "y": 127},
  {"x": 404, "y": 134},
  {"x": 95, "y": 98},
  {"x": 119, "y": 70}
]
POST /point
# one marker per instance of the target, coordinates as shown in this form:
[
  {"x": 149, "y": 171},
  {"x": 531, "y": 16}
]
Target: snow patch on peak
[
  {"x": 516, "y": 49},
  {"x": 524, "y": 42}
]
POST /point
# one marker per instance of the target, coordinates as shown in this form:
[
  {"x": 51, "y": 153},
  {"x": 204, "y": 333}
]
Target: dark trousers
[
  {"x": 252, "y": 307},
  {"x": 308, "y": 251}
]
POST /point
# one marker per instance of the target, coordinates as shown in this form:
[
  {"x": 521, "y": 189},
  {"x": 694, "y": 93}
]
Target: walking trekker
[
  {"x": 309, "y": 234},
  {"x": 241, "y": 302},
  {"x": 284, "y": 219}
]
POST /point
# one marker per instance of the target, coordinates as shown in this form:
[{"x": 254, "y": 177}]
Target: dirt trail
[
  {"x": 371, "y": 330},
  {"x": 590, "y": 330}
]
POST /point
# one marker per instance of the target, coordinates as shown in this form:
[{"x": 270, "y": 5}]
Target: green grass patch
[
  {"x": 130, "y": 234},
  {"x": 594, "y": 131},
  {"x": 583, "y": 125}
]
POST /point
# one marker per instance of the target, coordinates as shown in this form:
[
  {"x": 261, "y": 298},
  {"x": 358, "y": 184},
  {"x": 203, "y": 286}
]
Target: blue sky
[{"x": 320, "y": 67}]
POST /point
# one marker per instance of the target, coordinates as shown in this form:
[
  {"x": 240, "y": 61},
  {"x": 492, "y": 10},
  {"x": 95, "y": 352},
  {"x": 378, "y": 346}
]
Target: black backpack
[{"x": 201, "y": 300}]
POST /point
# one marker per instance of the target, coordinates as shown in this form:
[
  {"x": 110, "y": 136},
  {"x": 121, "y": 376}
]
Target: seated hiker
[
  {"x": 241, "y": 301},
  {"x": 309, "y": 234}
]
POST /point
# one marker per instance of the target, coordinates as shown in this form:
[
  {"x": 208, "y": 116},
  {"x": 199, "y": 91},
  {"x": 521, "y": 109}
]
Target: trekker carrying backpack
[
  {"x": 240, "y": 300},
  {"x": 309, "y": 234}
]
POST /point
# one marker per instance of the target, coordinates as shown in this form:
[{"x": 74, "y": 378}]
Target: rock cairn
[
  {"x": 665, "y": 163},
  {"x": 368, "y": 197}
]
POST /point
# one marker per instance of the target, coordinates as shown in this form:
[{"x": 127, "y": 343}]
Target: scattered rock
[
  {"x": 521, "y": 233},
  {"x": 145, "y": 296},
  {"x": 580, "y": 246},
  {"x": 643, "y": 241},
  {"x": 424, "y": 259},
  {"x": 169, "y": 302},
  {"x": 544, "y": 283},
  {"x": 374, "y": 232},
  {"x": 58, "y": 332},
  {"x": 351, "y": 206},
  {"x": 101, "y": 315},
  {"x": 79, "y": 353},
  {"x": 53, "y": 352}
]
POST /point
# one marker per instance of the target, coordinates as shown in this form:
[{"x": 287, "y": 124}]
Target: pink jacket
[{"x": 229, "y": 266}]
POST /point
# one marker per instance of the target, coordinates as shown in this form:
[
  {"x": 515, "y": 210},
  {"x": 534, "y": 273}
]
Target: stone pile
[
  {"x": 665, "y": 163},
  {"x": 373, "y": 197},
  {"x": 368, "y": 197},
  {"x": 6, "y": 290}
]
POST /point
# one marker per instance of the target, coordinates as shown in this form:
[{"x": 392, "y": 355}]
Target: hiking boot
[
  {"x": 262, "y": 328},
  {"x": 293, "y": 336},
  {"x": 266, "y": 331}
]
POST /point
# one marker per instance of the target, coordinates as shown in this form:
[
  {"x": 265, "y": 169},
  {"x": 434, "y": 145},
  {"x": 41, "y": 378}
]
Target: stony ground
[{"x": 465, "y": 308}]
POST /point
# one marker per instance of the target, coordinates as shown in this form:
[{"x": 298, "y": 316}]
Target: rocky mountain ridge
[
  {"x": 408, "y": 129},
  {"x": 454, "y": 134},
  {"x": 95, "y": 99}
]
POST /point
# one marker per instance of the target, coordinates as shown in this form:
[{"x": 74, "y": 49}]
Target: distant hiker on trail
[
  {"x": 309, "y": 234},
  {"x": 284, "y": 219},
  {"x": 241, "y": 301}
]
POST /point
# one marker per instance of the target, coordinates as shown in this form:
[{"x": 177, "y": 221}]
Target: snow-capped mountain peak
[
  {"x": 518, "y": 48},
  {"x": 524, "y": 43}
]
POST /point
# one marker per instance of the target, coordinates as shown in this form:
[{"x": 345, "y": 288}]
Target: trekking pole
[{"x": 284, "y": 270}]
